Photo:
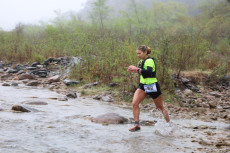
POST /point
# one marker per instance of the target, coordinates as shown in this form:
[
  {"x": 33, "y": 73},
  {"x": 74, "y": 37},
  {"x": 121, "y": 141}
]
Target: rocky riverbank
[{"x": 198, "y": 99}]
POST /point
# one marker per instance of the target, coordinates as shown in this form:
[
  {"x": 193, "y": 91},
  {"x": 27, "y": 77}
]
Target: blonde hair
[{"x": 144, "y": 48}]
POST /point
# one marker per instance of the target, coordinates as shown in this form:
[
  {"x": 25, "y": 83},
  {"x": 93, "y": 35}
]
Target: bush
[{"x": 38, "y": 58}]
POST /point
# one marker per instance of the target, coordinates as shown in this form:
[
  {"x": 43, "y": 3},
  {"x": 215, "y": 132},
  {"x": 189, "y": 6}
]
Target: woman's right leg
[{"x": 138, "y": 97}]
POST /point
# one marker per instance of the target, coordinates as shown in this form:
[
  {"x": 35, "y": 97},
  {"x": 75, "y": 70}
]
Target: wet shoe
[{"x": 135, "y": 128}]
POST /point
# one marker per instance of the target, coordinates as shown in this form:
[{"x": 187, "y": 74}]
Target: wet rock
[
  {"x": 36, "y": 103},
  {"x": 71, "y": 95},
  {"x": 40, "y": 73},
  {"x": 70, "y": 82},
  {"x": 1, "y": 66},
  {"x": 1, "y": 71},
  {"x": 14, "y": 84},
  {"x": 5, "y": 84},
  {"x": 31, "y": 68},
  {"x": 8, "y": 65},
  {"x": 107, "y": 98},
  {"x": 19, "y": 108},
  {"x": 212, "y": 104},
  {"x": 39, "y": 66},
  {"x": 148, "y": 123},
  {"x": 63, "y": 99},
  {"x": 193, "y": 88},
  {"x": 185, "y": 80},
  {"x": 205, "y": 142},
  {"x": 113, "y": 84},
  {"x": 19, "y": 67},
  {"x": 55, "y": 78},
  {"x": 228, "y": 116},
  {"x": 33, "y": 83},
  {"x": 12, "y": 71},
  {"x": 90, "y": 85},
  {"x": 215, "y": 94},
  {"x": 205, "y": 105},
  {"x": 222, "y": 143},
  {"x": 97, "y": 97},
  {"x": 110, "y": 118},
  {"x": 21, "y": 72},
  {"x": 25, "y": 76},
  {"x": 48, "y": 61},
  {"x": 187, "y": 91},
  {"x": 203, "y": 127},
  {"x": 210, "y": 133},
  {"x": 226, "y": 107},
  {"x": 35, "y": 64}
]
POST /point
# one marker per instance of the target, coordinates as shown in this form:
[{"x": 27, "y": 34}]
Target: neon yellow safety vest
[{"x": 150, "y": 63}]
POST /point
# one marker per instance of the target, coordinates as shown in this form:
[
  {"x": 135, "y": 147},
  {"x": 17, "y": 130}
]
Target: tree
[{"x": 99, "y": 12}]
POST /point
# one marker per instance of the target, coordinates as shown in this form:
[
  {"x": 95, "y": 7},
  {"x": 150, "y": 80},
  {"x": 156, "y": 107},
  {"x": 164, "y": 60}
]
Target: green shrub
[{"x": 38, "y": 58}]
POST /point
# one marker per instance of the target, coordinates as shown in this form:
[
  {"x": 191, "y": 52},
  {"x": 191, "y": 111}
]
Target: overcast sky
[{"x": 32, "y": 11}]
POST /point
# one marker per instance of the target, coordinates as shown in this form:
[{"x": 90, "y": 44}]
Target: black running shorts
[{"x": 153, "y": 95}]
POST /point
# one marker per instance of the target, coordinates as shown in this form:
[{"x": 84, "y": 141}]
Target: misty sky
[{"x": 32, "y": 11}]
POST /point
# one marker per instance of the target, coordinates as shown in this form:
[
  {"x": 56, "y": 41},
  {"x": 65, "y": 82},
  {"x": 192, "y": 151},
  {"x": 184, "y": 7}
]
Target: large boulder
[{"x": 110, "y": 118}]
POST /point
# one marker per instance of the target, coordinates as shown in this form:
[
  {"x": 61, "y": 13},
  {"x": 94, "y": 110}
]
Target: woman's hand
[{"x": 132, "y": 69}]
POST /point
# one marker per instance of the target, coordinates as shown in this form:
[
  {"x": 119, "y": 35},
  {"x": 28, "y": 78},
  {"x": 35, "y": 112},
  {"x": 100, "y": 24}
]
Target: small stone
[
  {"x": 205, "y": 142},
  {"x": 205, "y": 105},
  {"x": 63, "y": 99},
  {"x": 5, "y": 84},
  {"x": 107, "y": 99},
  {"x": 228, "y": 116},
  {"x": 203, "y": 127},
  {"x": 71, "y": 95},
  {"x": 33, "y": 83},
  {"x": 212, "y": 104},
  {"x": 19, "y": 108},
  {"x": 14, "y": 84},
  {"x": 36, "y": 103},
  {"x": 185, "y": 80},
  {"x": 55, "y": 78},
  {"x": 210, "y": 133},
  {"x": 187, "y": 91},
  {"x": 215, "y": 94}
]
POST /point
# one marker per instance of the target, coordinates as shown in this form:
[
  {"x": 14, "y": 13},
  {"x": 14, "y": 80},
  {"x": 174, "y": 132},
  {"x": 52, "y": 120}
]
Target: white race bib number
[{"x": 150, "y": 88}]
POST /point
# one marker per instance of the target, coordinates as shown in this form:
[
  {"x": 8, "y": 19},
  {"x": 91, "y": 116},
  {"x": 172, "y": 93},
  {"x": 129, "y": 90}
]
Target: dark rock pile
[{"x": 51, "y": 73}]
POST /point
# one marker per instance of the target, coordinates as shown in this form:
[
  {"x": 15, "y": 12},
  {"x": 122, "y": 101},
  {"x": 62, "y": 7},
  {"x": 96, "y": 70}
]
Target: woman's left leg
[{"x": 160, "y": 105}]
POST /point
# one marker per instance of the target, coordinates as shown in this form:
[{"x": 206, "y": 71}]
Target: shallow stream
[{"x": 64, "y": 126}]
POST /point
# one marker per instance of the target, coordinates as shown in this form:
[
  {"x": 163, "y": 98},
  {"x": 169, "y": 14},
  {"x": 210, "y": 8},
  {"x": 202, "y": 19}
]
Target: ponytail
[{"x": 148, "y": 50}]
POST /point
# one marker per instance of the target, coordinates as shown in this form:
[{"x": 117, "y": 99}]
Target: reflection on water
[{"x": 63, "y": 126}]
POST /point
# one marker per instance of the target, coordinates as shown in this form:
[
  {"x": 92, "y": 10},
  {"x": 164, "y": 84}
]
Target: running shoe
[{"x": 135, "y": 128}]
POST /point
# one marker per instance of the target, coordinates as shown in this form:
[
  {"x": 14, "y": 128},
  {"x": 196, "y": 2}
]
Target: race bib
[{"x": 150, "y": 88}]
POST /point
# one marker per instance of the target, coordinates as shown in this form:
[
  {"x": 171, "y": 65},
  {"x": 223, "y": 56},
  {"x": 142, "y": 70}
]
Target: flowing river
[{"x": 64, "y": 127}]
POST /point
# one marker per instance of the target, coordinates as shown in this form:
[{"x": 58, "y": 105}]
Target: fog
[{"x": 13, "y": 12}]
